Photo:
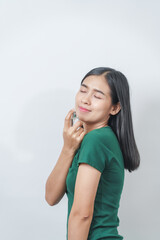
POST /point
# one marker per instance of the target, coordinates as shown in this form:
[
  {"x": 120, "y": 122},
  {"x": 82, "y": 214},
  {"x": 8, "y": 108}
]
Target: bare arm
[
  {"x": 56, "y": 182},
  {"x": 82, "y": 210}
]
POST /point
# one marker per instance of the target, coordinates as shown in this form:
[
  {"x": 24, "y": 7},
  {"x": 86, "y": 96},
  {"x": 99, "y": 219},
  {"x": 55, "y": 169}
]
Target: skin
[{"x": 100, "y": 105}]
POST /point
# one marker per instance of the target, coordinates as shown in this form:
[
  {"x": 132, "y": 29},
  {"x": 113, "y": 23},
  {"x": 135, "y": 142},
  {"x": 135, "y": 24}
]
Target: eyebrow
[{"x": 97, "y": 90}]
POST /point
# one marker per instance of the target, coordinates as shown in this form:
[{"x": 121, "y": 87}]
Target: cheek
[
  {"x": 98, "y": 104},
  {"x": 101, "y": 106},
  {"x": 77, "y": 98},
  {"x": 79, "y": 95}
]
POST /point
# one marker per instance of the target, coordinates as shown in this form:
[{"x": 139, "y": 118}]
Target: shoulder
[
  {"x": 99, "y": 136},
  {"x": 92, "y": 138}
]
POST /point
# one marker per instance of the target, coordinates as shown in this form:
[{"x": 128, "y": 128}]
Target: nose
[{"x": 86, "y": 99}]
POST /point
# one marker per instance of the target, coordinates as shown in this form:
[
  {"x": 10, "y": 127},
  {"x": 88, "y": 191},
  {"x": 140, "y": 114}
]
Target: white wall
[{"x": 46, "y": 47}]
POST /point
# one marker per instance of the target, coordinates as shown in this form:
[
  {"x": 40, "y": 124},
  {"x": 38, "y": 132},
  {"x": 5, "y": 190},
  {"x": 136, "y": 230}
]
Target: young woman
[{"x": 96, "y": 151}]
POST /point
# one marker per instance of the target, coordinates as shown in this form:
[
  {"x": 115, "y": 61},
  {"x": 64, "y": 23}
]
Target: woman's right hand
[{"x": 72, "y": 137}]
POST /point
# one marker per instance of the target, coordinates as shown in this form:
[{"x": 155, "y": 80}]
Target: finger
[
  {"x": 67, "y": 122},
  {"x": 81, "y": 136},
  {"x": 79, "y": 131},
  {"x": 76, "y": 125}
]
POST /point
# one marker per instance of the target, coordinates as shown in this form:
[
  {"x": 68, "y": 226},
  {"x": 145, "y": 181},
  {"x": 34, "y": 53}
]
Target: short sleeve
[{"x": 93, "y": 151}]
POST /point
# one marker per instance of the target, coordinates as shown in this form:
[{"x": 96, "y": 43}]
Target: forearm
[
  {"x": 78, "y": 227},
  {"x": 56, "y": 182}
]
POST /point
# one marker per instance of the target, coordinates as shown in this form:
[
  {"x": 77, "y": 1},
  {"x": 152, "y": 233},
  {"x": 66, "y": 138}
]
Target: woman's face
[{"x": 94, "y": 95}]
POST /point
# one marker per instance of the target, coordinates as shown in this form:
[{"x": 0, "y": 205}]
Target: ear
[{"x": 115, "y": 109}]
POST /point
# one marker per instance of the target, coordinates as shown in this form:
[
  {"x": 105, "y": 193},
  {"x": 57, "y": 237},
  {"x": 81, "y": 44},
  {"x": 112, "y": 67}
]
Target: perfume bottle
[{"x": 74, "y": 118}]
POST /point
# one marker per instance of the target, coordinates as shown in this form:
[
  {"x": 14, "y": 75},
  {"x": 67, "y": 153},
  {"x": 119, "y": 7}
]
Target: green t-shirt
[{"x": 100, "y": 149}]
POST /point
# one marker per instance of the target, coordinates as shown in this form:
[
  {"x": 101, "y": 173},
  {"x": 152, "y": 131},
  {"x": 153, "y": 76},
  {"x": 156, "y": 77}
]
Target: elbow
[
  {"x": 48, "y": 197},
  {"x": 81, "y": 214},
  {"x": 49, "y": 200}
]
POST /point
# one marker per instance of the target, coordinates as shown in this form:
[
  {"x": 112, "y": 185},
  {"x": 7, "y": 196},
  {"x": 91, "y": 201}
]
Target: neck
[{"x": 89, "y": 127}]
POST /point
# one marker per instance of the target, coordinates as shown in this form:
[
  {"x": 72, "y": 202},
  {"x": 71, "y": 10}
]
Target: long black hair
[{"x": 121, "y": 123}]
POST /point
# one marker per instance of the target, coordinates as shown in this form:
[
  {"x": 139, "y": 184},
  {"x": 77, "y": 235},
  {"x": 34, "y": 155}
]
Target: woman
[{"x": 96, "y": 151}]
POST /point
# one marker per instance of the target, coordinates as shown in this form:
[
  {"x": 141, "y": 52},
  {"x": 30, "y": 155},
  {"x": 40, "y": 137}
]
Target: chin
[{"x": 81, "y": 118}]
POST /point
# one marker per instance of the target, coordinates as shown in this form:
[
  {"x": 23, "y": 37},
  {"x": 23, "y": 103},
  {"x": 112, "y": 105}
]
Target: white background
[{"x": 46, "y": 47}]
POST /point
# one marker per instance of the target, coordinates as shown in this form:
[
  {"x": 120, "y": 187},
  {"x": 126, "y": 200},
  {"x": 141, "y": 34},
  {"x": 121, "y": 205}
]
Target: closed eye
[
  {"x": 97, "y": 97},
  {"x": 94, "y": 95}
]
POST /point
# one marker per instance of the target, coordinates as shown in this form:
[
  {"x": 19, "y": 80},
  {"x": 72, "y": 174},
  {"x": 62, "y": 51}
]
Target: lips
[{"x": 85, "y": 109}]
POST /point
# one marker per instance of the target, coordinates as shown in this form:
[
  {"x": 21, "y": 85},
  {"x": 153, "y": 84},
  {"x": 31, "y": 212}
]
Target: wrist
[{"x": 68, "y": 151}]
